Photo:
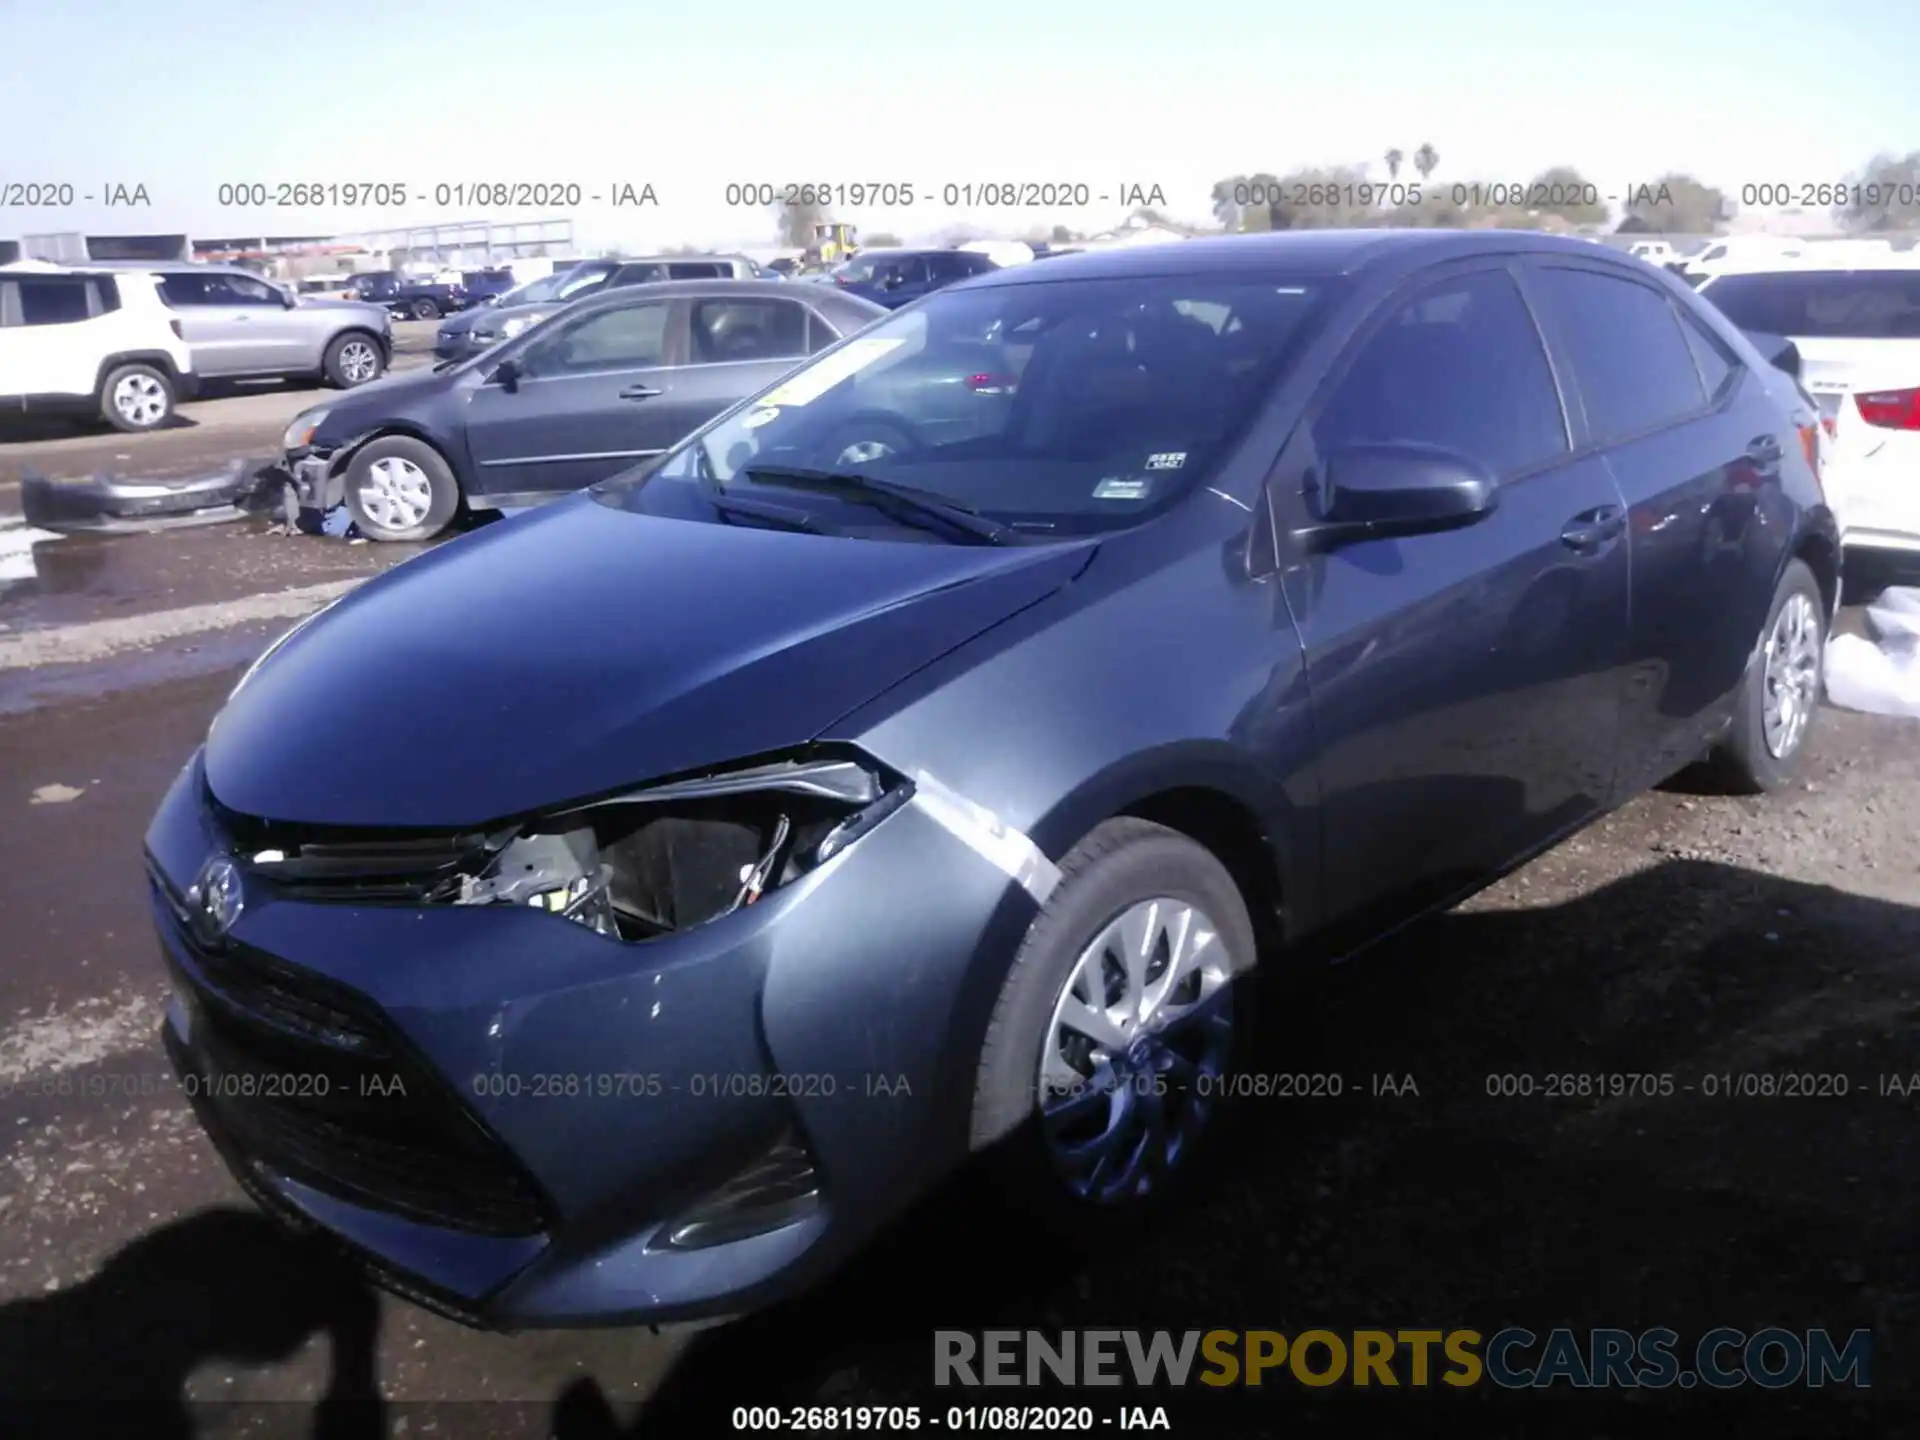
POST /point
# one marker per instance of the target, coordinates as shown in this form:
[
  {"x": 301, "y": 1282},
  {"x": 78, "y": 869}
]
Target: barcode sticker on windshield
[
  {"x": 1167, "y": 460},
  {"x": 1116, "y": 489}
]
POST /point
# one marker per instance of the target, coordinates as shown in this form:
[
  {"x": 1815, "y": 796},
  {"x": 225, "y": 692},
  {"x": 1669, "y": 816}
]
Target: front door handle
[
  {"x": 640, "y": 392},
  {"x": 1591, "y": 531}
]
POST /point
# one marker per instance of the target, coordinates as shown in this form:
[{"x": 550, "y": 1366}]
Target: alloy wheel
[
  {"x": 358, "y": 363},
  {"x": 140, "y": 400},
  {"x": 395, "y": 493},
  {"x": 1134, "y": 1055},
  {"x": 864, "y": 452},
  {"x": 1792, "y": 676}
]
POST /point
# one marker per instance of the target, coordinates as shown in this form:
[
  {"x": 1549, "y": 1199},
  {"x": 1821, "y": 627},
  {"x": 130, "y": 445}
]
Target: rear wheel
[
  {"x": 1781, "y": 694},
  {"x": 425, "y": 309},
  {"x": 401, "y": 489},
  {"x": 136, "y": 398},
  {"x": 1108, "y": 1057}
]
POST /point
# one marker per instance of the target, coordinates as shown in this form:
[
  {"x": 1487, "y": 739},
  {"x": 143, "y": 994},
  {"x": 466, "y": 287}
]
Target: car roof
[
  {"x": 715, "y": 289},
  {"x": 1299, "y": 252}
]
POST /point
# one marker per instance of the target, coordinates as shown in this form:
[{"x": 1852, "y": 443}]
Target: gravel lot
[{"x": 1687, "y": 936}]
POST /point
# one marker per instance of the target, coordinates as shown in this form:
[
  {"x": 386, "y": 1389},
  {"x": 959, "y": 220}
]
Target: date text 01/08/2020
[
  {"x": 391, "y": 194},
  {"x": 905, "y": 1419},
  {"x": 969, "y": 194}
]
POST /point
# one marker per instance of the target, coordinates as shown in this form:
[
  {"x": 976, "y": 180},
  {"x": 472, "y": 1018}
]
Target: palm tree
[
  {"x": 1426, "y": 160},
  {"x": 1395, "y": 159}
]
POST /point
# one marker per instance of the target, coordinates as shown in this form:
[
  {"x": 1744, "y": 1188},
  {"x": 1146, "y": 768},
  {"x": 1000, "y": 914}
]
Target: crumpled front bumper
[
  {"x": 315, "y": 485},
  {"x": 625, "y": 1082}
]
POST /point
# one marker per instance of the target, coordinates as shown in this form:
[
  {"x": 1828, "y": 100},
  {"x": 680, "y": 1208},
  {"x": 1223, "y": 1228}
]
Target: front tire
[
  {"x": 1118, "y": 1027},
  {"x": 1780, "y": 696},
  {"x": 353, "y": 359},
  {"x": 401, "y": 489},
  {"x": 136, "y": 398}
]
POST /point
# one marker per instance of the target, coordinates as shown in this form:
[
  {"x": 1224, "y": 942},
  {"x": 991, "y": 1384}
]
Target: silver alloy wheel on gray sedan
[
  {"x": 1792, "y": 676},
  {"x": 1133, "y": 1058},
  {"x": 359, "y": 362},
  {"x": 864, "y": 452},
  {"x": 396, "y": 493},
  {"x": 140, "y": 399}
]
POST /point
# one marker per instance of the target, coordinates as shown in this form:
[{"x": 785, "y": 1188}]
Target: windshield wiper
[
  {"x": 900, "y": 502},
  {"x": 777, "y": 515}
]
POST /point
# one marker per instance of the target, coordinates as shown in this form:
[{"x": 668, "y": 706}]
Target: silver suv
[{"x": 239, "y": 325}]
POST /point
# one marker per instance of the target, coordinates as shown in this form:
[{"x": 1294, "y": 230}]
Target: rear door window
[
  {"x": 1630, "y": 357},
  {"x": 1823, "y": 304},
  {"x": 1458, "y": 366},
  {"x": 52, "y": 299},
  {"x": 738, "y": 330},
  {"x": 697, "y": 270}
]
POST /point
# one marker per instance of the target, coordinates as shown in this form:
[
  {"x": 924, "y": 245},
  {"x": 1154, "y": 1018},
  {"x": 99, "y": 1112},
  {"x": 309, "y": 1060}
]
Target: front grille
[{"x": 308, "y": 1079}]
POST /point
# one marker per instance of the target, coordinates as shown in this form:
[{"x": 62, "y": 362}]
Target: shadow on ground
[{"x": 1449, "y": 1205}]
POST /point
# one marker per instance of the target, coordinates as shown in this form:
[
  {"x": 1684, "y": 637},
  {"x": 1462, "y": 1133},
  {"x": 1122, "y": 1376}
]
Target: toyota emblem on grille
[{"x": 217, "y": 898}]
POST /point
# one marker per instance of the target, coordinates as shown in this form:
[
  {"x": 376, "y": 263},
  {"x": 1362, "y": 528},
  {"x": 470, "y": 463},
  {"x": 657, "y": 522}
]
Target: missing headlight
[{"x": 635, "y": 866}]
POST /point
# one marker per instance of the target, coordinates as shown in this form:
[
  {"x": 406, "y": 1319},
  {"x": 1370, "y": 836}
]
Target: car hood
[
  {"x": 353, "y": 412},
  {"x": 582, "y": 649}
]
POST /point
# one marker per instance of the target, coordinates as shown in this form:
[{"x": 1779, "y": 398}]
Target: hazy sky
[{"x": 182, "y": 97}]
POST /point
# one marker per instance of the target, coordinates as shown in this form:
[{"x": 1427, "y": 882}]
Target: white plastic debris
[{"x": 1880, "y": 673}]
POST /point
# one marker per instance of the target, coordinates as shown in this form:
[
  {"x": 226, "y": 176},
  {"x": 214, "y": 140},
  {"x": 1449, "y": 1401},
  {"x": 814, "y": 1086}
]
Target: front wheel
[
  {"x": 1781, "y": 694},
  {"x": 136, "y": 398},
  {"x": 401, "y": 489},
  {"x": 1112, "y": 1047}
]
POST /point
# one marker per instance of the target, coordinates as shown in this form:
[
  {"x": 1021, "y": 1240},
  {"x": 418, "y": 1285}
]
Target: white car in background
[
  {"x": 78, "y": 339},
  {"x": 1858, "y": 333}
]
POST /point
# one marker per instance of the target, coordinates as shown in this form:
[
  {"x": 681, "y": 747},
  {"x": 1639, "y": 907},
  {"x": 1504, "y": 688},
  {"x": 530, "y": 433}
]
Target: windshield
[
  {"x": 863, "y": 268},
  {"x": 1823, "y": 304},
  {"x": 1064, "y": 407},
  {"x": 533, "y": 292}
]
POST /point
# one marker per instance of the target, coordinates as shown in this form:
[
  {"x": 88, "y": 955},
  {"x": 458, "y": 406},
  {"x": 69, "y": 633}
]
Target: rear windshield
[
  {"x": 1068, "y": 407},
  {"x": 1823, "y": 304}
]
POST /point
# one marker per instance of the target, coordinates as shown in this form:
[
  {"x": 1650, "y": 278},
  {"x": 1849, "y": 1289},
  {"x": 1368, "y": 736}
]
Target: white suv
[
  {"x": 1858, "y": 333},
  {"x": 90, "y": 340}
]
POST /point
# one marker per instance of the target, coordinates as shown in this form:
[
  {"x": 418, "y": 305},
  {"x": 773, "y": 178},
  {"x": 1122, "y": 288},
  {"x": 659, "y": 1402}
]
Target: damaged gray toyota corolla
[{"x": 620, "y": 913}]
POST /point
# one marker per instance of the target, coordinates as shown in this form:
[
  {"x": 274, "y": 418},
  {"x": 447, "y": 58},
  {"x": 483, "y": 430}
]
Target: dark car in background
[
  {"x": 482, "y": 286},
  {"x": 454, "y": 339},
  {"x": 864, "y": 808},
  {"x": 610, "y": 381},
  {"x": 407, "y": 297},
  {"x": 896, "y": 277},
  {"x": 504, "y": 321}
]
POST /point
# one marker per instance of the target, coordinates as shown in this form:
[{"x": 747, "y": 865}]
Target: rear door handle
[
  {"x": 640, "y": 392},
  {"x": 1591, "y": 531},
  {"x": 1765, "y": 451}
]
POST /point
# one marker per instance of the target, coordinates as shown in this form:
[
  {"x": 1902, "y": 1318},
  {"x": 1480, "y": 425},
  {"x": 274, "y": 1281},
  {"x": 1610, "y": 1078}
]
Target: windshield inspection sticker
[
  {"x": 759, "y": 418},
  {"x": 1114, "y": 488},
  {"x": 1167, "y": 460},
  {"x": 850, "y": 359}
]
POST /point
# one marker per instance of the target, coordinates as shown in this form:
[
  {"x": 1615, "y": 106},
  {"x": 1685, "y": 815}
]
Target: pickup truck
[{"x": 405, "y": 296}]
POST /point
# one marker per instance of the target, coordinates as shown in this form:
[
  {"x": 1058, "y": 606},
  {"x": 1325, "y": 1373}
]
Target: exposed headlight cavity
[{"x": 634, "y": 867}]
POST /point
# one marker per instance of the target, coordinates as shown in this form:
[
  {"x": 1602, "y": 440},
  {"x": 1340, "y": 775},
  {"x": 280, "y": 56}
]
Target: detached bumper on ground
[{"x": 118, "y": 504}]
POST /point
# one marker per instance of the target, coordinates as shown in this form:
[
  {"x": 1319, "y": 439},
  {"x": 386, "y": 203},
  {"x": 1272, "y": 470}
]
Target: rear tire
[
  {"x": 425, "y": 309},
  {"x": 1140, "y": 877},
  {"x": 353, "y": 359},
  {"x": 1780, "y": 697},
  {"x": 136, "y": 398},
  {"x": 401, "y": 489}
]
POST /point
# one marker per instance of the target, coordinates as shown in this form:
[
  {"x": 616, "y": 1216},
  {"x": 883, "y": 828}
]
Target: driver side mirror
[
  {"x": 507, "y": 373},
  {"x": 1377, "y": 492},
  {"x": 289, "y": 299}
]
